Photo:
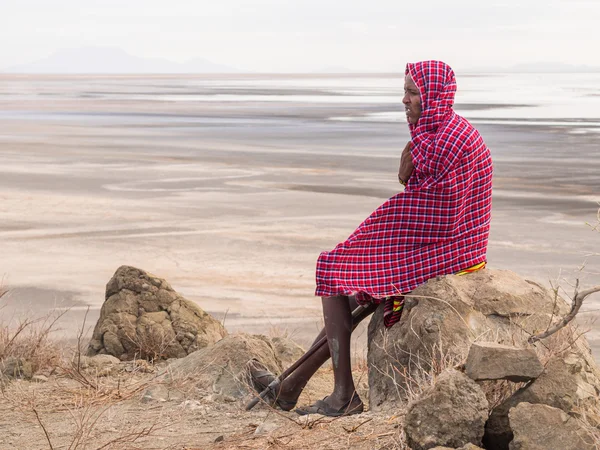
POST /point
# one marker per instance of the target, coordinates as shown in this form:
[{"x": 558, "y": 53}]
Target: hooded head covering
[
  {"x": 437, "y": 143},
  {"x": 437, "y": 85}
]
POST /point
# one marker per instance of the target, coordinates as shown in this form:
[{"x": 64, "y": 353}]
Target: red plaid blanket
[{"x": 439, "y": 224}]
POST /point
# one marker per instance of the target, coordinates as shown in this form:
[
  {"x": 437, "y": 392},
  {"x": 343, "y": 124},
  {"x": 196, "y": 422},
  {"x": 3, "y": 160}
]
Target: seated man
[{"x": 438, "y": 225}]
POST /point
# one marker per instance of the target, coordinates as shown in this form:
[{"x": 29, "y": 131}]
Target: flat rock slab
[
  {"x": 542, "y": 427},
  {"x": 491, "y": 361}
]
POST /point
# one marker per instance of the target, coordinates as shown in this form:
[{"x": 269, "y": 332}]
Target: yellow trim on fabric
[
  {"x": 399, "y": 304},
  {"x": 471, "y": 269}
]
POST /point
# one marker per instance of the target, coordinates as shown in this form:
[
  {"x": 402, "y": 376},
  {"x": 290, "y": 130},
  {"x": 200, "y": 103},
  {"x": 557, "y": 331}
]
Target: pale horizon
[
  {"x": 111, "y": 60},
  {"x": 273, "y": 36}
]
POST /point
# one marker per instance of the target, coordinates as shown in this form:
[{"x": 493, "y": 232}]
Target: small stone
[
  {"x": 103, "y": 360},
  {"x": 266, "y": 427},
  {"x": 219, "y": 439},
  {"x": 216, "y": 398},
  {"x": 191, "y": 405},
  {"x": 16, "y": 368},
  {"x": 39, "y": 378},
  {"x": 161, "y": 393}
]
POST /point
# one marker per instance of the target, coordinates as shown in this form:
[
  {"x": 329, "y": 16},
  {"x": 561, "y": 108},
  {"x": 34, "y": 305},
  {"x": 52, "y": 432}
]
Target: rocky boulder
[
  {"x": 443, "y": 317},
  {"x": 143, "y": 317},
  {"x": 541, "y": 427},
  {"x": 222, "y": 368},
  {"x": 569, "y": 382},
  {"x": 452, "y": 413}
]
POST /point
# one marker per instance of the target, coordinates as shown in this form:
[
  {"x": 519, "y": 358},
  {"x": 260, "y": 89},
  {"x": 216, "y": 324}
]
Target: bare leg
[
  {"x": 293, "y": 385},
  {"x": 338, "y": 326}
]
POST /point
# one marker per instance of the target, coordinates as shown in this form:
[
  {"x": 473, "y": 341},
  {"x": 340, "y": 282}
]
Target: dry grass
[
  {"x": 88, "y": 399},
  {"x": 589, "y": 419},
  {"x": 81, "y": 413},
  {"x": 151, "y": 342},
  {"x": 84, "y": 396},
  {"x": 29, "y": 340}
]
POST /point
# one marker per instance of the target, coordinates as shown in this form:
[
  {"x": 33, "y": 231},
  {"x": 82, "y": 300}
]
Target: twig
[
  {"x": 578, "y": 299},
  {"x": 22, "y": 326},
  {"x": 79, "y": 336},
  {"x": 131, "y": 437},
  {"x": 446, "y": 303},
  {"x": 224, "y": 317},
  {"x": 37, "y": 416},
  {"x": 353, "y": 429},
  {"x": 385, "y": 434}
]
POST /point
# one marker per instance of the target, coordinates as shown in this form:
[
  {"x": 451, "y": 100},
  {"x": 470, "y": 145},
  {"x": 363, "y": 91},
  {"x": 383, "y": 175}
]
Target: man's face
[{"x": 411, "y": 100}]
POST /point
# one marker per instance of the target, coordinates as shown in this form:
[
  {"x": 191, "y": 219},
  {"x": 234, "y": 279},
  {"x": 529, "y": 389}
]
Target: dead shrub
[{"x": 30, "y": 340}]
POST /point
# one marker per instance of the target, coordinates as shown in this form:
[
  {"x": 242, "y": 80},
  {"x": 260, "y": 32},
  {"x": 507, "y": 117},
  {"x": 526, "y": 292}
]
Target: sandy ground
[
  {"x": 117, "y": 416},
  {"x": 232, "y": 203}
]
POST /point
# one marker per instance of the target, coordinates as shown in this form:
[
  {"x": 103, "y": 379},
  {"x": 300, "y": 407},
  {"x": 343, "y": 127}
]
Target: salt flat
[{"x": 232, "y": 201}]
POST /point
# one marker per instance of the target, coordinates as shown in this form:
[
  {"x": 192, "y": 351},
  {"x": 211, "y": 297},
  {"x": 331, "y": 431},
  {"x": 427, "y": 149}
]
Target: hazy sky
[{"x": 300, "y": 35}]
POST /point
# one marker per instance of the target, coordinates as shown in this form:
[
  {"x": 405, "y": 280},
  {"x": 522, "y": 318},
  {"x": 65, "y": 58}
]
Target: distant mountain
[
  {"x": 334, "y": 69},
  {"x": 103, "y": 60},
  {"x": 543, "y": 67},
  {"x": 553, "y": 67}
]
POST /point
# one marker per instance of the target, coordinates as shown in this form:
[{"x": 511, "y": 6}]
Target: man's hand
[{"x": 406, "y": 165}]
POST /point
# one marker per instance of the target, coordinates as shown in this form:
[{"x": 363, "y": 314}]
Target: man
[{"x": 438, "y": 225}]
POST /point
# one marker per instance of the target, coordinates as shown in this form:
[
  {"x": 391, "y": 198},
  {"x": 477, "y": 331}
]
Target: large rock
[
  {"x": 569, "y": 382},
  {"x": 541, "y": 427},
  {"x": 143, "y": 317},
  {"x": 452, "y": 413},
  {"x": 443, "y": 317},
  {"x": 491, "y": 361},
  {"x": 223, "y": 368}
]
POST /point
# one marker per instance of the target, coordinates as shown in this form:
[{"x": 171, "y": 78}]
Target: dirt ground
[{"x": 114, "y": 412}]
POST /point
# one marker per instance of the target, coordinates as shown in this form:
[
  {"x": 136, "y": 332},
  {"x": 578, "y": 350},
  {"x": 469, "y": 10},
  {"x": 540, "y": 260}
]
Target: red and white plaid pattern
[{"x": 439, "y": 224}]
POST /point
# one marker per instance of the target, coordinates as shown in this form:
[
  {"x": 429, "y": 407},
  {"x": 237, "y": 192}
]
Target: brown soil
[{"x": 80, "y": 411}]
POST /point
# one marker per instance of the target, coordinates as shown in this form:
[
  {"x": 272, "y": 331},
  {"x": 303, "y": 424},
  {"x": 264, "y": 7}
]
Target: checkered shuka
[{"x": 438, "y": 225}]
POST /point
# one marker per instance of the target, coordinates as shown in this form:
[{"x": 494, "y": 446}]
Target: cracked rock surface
[{"x": 143, "y": 317}]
